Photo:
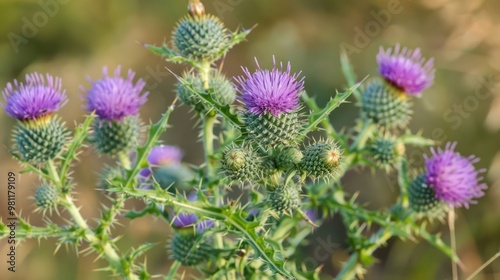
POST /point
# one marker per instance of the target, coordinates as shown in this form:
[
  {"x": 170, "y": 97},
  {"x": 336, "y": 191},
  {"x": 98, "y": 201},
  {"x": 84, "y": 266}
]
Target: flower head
[
  {"x": 204, "y": 225},
  {"x": 453, "y": 177},
  {"x": 184, "y": 220},
  {"x": 38, "y": 97},
  {"x": 406, "y": 69},
  {"x": 113, "y": 98},
  {"x": 275, "y": 91},
  {"x": 164, "y": 155}
]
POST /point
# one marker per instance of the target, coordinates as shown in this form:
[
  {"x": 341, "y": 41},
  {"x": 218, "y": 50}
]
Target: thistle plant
[{"x": 289, "y": 182}]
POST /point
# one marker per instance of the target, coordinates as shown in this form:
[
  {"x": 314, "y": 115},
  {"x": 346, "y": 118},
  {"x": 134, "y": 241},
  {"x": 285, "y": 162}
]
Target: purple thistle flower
[
  {"x": 204, "y": 225},
  {"x": 113, "y": 98},
  {"x": 275, "y": 91},
  {"x": 184, "y": 220},
  {"x": 36, "y": 98},
  {"x": 311, "y": 214},
  {"x": 406, "y": 69},
  {"x": 164, "y": 155},
  {"x": 453, "y": 177}
]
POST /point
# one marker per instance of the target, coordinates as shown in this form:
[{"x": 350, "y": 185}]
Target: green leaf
[
  {"x": 81, "y": 133},
  {"x": 154, "y": 134},
  {"x": 348, "y": 72},
  {"x": 170, "y": 55},
  {"x": 317, "y": 117},
  {"x": 416, "y": 140},
  {"x": 230, "y": 215}
]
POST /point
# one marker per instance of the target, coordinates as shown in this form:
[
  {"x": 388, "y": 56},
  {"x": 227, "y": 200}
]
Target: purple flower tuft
[
  {"x": 36, "y": 98},
  {"x": 113, "y": 98},
  {"x": 453, "y": 177},
  {"x": 184, "y": 220},
  {"x": 311, "y": 214},
  {"x": 406, "y": 69},
  {"x": 165, "y": 155},
  {"x": 204, "y": 225},
  {"x": 275, "y": 91}
]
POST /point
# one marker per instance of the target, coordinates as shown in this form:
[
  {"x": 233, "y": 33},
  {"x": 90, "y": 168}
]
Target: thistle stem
[
  {"x": 105, "y": 248},
  {"x": 363, "y": 136},
  {"x": 173, "y": 270},
  {"x": 208, "y": 147}
]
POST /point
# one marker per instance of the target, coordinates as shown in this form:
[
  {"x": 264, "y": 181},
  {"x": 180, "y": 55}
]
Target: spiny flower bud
[
  {"x": 45, "y": 197},
  {"x": 39, "y": 136},
  {"x": 115, "y": 137},
  {"x": 423, "y": 198},
  {"x": 322, "y": 160},
  {"x": 385, "y": 105},
  {"x": 189, "y": 248},
  {"x": 284, "y": 199},
  {"x": 221, "y": 90},
  {"x": 386, "y": 150},
  {"x": 201, "y": 37},
  {"x": 240, "y": 163},
  {"x": 37, "y": 142},
  {"x": 287, "y": 157},
  {"x": 116, "y": 102},
  {"x": 272, "y": 102},
  {"x": 108, "y": 177},
  {"x": 271, "y": 131}
]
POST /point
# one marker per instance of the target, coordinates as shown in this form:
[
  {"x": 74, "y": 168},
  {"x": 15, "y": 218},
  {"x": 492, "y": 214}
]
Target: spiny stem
[
  {"x": 124, "y": 160},
  {"x": 349, "y": 268},
  {"x": 173, "y": 270},
  {"x": 208, "y": 147},
  {"x": 51, "y": 167},
  {"x": 362, "y": 137},
  {"x": 108, "y": 251}
]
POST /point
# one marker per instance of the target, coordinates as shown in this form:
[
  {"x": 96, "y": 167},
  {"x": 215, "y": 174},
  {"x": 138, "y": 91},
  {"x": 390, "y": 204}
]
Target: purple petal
[
  {"x": 275, "y": 91},
  {"x": 36, "y": 98},
  {"x": 453, "y": 177},
  {"x": 406, "y": 69},
  {"x": 113, "y": 98}
]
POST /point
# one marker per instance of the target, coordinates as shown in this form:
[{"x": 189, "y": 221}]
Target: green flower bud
[
  {"x": 109, "y": 176},
  {"x": 287, "y": 157},
  {"x": 322, "y": 160},
  {"x": 241, "y": 163},
  {"x": 45, "y": 197},
  {"x": 386, "y": 151},
  {"x": 384, "y": 104},
  {"x": 189, "y": 248},
  {"x": 284, "y": 199},
  {"x": 220, "y": 88},
  {"x": 201, "y": 37},
  {"x": 423, "y": 199},
  {"x": 271, "y": 131},
  {"x": 41, "y": 141},
  {"x": 115, "y": 137}
]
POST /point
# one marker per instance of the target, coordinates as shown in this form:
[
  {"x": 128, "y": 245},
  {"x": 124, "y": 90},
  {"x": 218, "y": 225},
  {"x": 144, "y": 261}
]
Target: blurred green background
[{"x": 73, "y": 39}]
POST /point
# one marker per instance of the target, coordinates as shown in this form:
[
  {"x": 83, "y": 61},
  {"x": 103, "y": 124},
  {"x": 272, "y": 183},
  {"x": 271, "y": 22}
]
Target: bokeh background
[{"x": 73, "y": 39}]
